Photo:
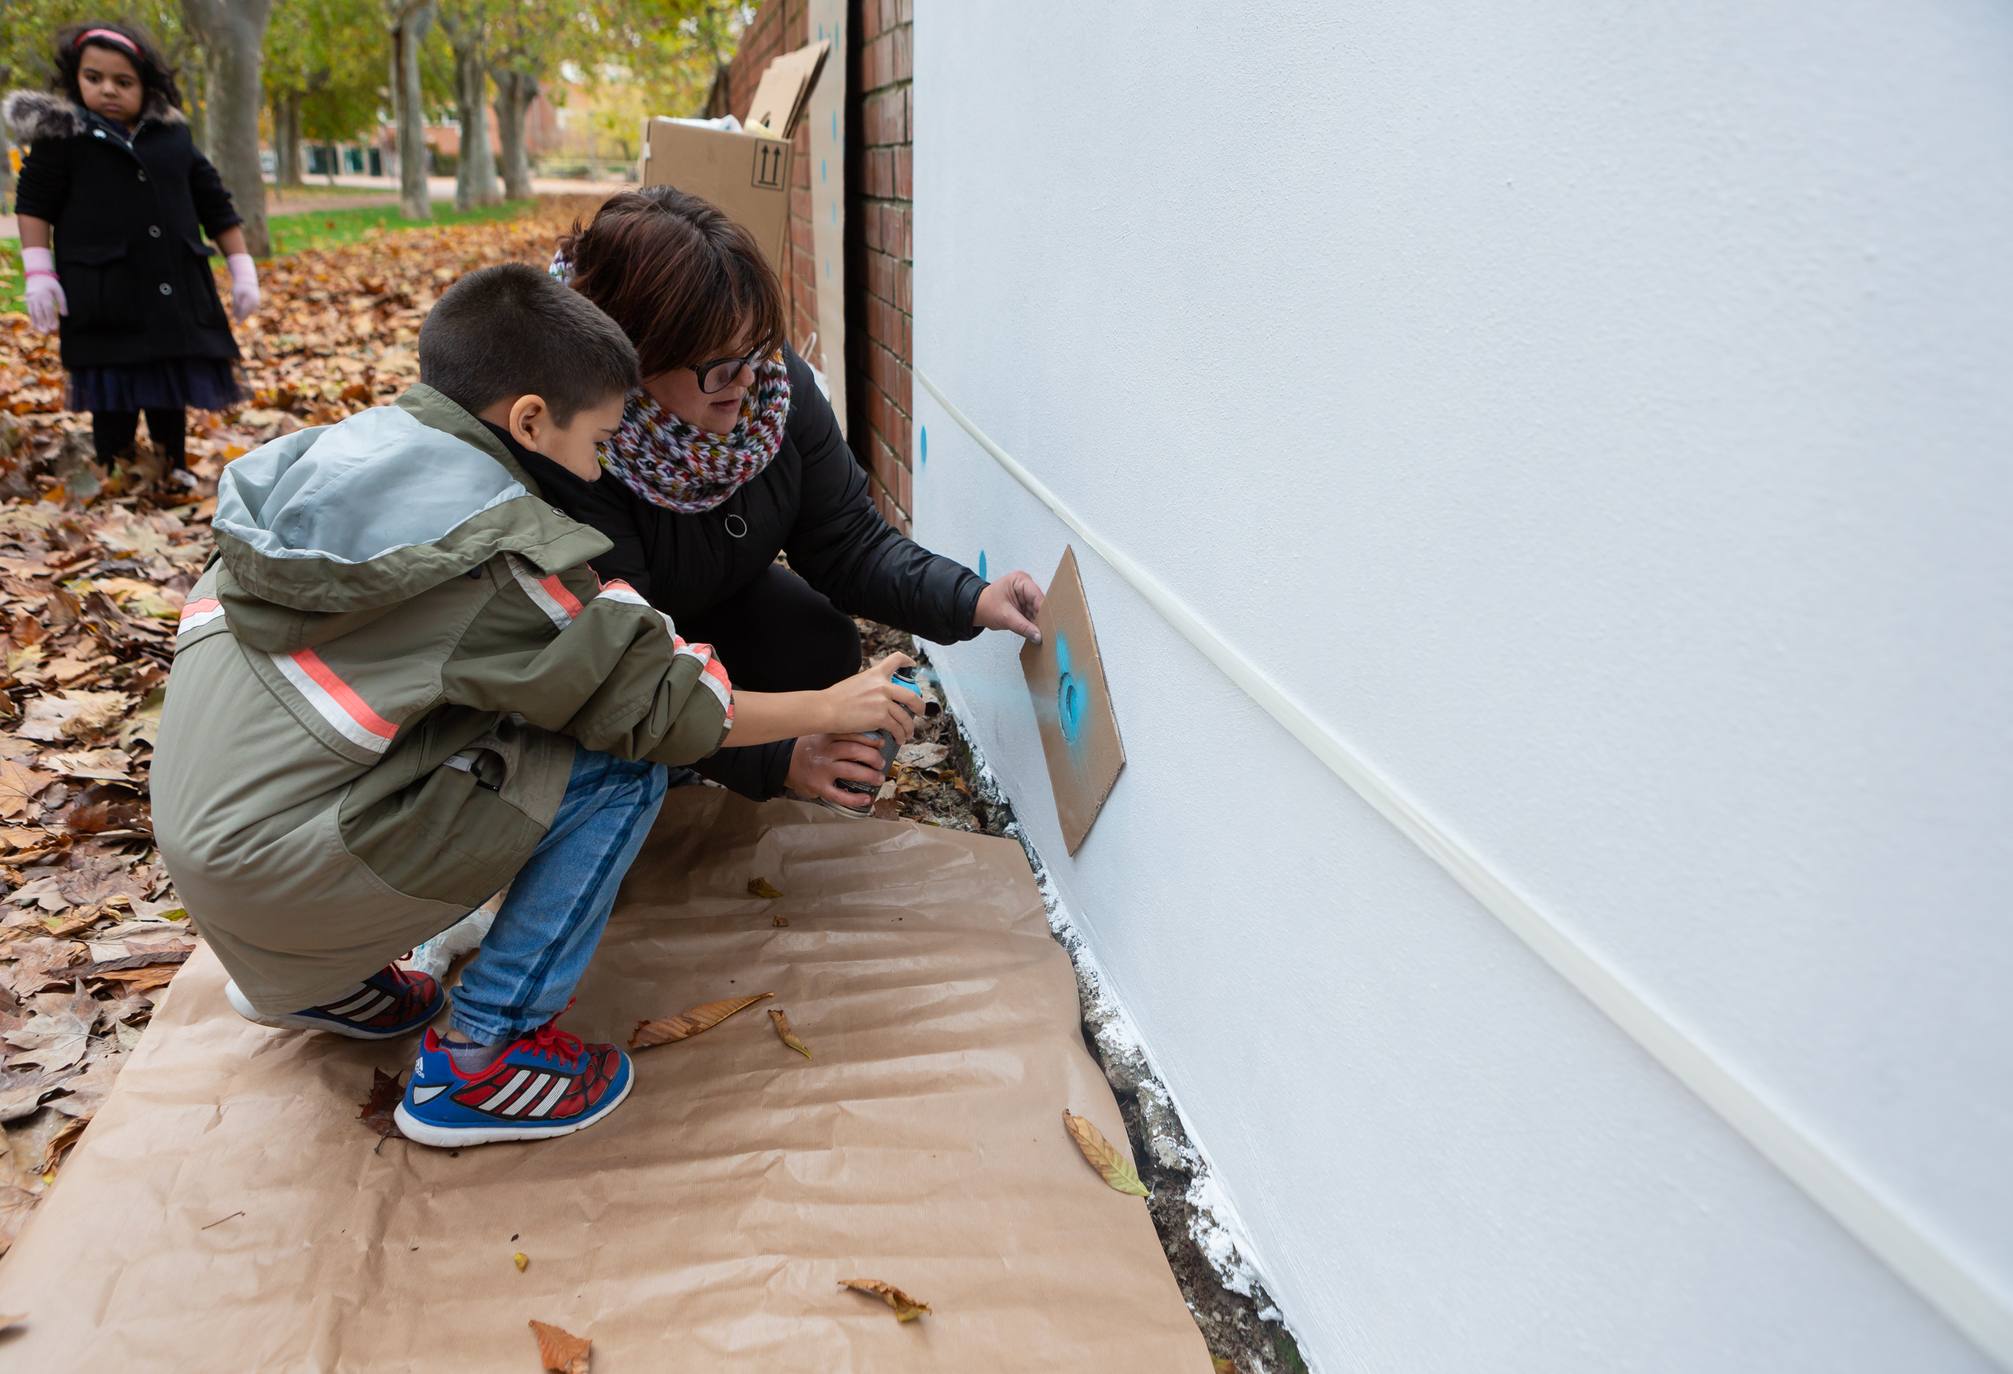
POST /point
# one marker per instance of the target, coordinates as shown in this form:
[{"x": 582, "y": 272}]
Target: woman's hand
[
  {"x": 1012, "y": 603},
  {"x": 820, "y": 762},
  {"x": 871, "y": 701}
]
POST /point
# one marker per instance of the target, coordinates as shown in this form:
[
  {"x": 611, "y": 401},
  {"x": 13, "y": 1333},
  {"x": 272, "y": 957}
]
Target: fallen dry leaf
[
  {"x": 386, "y": 1092},
  {"x": 1103, "y": 1156},
  {"x": 1223, "y": 1365},
  {"x": 562, "y": 1351},
  {"x": 74, "y": 715},
  {"x": 19, "y": 787},
  {"x": 779, "y": 919},
  {"x": 781, "y": 1020},
  {"x": 762, "y": 887},
  {"x": 690, "y": 1022},
  {"x": 521, "y": 1260},
  {"x": 103, "y": 765},
  {"x": 907, "y": 1309}
]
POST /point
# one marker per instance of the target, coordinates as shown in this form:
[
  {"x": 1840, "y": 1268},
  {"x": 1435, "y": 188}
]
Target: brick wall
[
  {"x": 779, "y": 27},
  {"x": 879, "y": 107},
  {"x": 879, "y": 213}
]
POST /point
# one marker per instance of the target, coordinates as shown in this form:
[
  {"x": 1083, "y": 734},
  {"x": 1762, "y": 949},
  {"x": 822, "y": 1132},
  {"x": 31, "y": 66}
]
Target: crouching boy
[{"x": 400, "y": 687}]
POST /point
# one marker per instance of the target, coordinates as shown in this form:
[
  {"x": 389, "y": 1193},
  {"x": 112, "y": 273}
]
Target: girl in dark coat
[
  {"x": 729, "y": 455},
  {"x": 112, "y": 170}
]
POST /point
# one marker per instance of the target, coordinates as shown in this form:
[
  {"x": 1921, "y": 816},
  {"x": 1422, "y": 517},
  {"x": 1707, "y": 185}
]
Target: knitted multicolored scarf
[{"x": 672, "y": 463}]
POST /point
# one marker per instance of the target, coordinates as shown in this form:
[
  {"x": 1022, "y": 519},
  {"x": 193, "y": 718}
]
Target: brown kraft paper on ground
[{"x": 707, "y": 1222}]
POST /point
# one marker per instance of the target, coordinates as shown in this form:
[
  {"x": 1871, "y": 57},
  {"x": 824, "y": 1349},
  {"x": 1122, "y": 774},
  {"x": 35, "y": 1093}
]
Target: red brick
[
  {"x": 903, "y": 183},
  {"x": 870, "y": 20},
  {"x": 909, "y": 112},
  {"x": 800, "y": 205},
  {"x": 905, "y": 11},
  {"x": 904, "y": 392},
  {"x": 904, "y": 295},
  {"x": 870, "y": 224},
  {"x": 905, "y": 489},
  {"x": 899, "y": 59}
]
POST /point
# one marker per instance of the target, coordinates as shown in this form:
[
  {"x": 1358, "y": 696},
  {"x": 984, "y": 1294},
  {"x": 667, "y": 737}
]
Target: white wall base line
[{"x": 1855, "y": 1202}]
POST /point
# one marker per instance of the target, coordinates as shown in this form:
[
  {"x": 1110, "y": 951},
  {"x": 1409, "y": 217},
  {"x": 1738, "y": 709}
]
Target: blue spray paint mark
[
  {"x": 835, "y": 125},
  {"x": 926, "y": 446},
  {"x": 828, "y": 268},
  {"x": 835, "y": 212},
  {"x": 982, "y": 564},
  {"x": 821, "y": 30},
  {"x": 1072, "y": 697},
  {"x": 821, "y": 169}
]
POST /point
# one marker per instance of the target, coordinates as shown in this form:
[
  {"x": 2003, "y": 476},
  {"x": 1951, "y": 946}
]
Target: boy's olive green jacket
[{"x": 378, "y": 688}]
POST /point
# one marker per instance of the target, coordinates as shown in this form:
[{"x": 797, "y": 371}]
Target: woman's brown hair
[{"x": 681, "y": 278}]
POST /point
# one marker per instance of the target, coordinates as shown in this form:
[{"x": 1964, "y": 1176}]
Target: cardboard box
[{"x": 745, "y": 174}]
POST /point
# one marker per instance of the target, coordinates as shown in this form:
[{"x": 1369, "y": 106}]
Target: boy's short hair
[{"x": 511, "y": 331}]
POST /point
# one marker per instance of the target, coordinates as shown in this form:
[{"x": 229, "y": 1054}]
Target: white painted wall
[{"x": 1599, "y": 416}]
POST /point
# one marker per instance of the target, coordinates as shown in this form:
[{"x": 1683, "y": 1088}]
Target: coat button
[
  {"x": 153, "y": 231},
  {"x": 143, "y": 176},
  {"x": 167, "y": 290}
]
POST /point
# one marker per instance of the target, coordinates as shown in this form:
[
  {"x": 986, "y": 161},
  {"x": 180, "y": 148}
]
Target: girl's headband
[{"x": 118, "y": 39}]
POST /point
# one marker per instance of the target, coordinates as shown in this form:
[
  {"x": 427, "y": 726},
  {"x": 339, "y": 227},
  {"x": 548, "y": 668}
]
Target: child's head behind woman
[{"x": 114, "y": 70}]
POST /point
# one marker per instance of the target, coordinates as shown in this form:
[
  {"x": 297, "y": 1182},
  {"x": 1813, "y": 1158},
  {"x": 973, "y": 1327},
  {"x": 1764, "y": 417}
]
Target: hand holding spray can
[{"x": 911, "y": 678}]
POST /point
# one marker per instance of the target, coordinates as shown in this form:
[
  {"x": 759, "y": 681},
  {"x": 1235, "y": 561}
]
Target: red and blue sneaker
[
  {"x": 545, "y": 1084},
  {"x": 392, "y": 1002}
]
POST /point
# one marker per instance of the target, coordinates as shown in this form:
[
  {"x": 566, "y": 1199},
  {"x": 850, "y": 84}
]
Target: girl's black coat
[
  {"x": 129, "y": 222},
  {"x": 810, "y": 502}
]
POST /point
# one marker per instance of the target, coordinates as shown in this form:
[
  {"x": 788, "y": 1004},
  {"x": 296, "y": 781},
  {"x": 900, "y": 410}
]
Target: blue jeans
[{"x": 526, "y": 968}]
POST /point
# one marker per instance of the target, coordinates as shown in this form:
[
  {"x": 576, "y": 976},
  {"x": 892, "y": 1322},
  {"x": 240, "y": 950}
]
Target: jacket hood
[
  {"x": 48, "y": 115},
  {"x": 347, "y": 521}
]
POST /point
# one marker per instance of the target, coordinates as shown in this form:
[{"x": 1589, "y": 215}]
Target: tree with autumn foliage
[{"x": 322, "y": 85}]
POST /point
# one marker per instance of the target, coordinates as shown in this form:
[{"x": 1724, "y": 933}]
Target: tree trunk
[
  {"x": 410, "y": 22},
  {"x": 515, "y": 91},
  {"x": 233, "y": 33},
  {"x": 196, "y": 91},
  {"x": 475, "y": 171},
  {"x": 290, "y": 169}
]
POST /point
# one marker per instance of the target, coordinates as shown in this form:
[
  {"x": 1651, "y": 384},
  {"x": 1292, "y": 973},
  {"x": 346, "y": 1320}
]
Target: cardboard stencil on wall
[
  {"x": 1072, "y": 703},
  {"x": 827, "y": 115}
]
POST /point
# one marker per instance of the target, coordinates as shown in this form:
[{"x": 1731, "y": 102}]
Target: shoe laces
[{"x": 548, "y": 1039}]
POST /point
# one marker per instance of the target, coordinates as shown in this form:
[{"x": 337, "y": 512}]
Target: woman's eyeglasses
[{"x": 719, "y": 374}]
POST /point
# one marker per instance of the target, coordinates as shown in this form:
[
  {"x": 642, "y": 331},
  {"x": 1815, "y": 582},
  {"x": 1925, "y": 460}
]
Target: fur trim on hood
[{"x": 46, "y": 115}]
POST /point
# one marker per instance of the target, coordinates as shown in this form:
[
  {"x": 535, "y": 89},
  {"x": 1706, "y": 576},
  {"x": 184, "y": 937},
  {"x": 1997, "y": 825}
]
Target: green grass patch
[{"x": 297, "y": 232}]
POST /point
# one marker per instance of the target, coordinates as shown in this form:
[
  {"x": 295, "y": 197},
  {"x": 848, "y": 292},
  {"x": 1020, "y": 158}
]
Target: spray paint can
[{"x": 911, "y": 678}]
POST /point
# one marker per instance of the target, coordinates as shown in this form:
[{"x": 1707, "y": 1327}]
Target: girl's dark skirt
[{"x": 166, "y": 384}]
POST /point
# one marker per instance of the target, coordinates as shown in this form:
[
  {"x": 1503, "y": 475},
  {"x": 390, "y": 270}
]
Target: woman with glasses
[{"x": 729, "y": 455}]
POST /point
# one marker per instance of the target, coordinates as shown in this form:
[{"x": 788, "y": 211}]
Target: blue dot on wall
[
  {"x": 821, "y": 169},
  {"x": 925, "y": 445},
  {"x": 982, "y": 562},
  {"x": 821, "y": 30},
  {"x": 828, "y": 267},
  {"x": 835, "y": 124},
  {"x": 835, "y": 212}
]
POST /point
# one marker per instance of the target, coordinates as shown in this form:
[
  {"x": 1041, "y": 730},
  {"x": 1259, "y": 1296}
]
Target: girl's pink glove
[
  {"x": 45, "y": 293},
  {"x": 244, "y": 285}
]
